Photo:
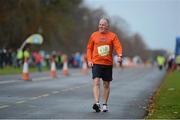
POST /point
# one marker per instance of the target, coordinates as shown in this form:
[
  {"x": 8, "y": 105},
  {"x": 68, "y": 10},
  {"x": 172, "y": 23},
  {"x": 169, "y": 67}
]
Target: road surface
[{"x": 71, "y": 97}]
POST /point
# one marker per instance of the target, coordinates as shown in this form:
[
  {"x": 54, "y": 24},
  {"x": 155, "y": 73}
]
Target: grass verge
[
  {"x": 165, "y": 104},
  {"x": 13, "y": 70}
]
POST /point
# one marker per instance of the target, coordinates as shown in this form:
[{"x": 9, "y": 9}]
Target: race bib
[{"x": 103, "y": 50}]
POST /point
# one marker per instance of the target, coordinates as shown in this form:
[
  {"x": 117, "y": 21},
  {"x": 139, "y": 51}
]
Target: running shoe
[
  {"x": 97, "y": 107},
  {"x": 105, "y": 108}
]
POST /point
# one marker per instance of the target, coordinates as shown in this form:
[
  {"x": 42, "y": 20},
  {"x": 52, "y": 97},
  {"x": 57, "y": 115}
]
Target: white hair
[{"x": 106, "y": 19}]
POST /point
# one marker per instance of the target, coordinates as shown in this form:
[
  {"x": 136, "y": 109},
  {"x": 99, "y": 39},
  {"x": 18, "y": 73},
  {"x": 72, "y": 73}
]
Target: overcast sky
[{"x": 158, "y": 21}]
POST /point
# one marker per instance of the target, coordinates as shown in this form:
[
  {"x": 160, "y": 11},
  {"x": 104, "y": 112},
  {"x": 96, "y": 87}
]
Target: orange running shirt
[{"x": 100, "y": 48}]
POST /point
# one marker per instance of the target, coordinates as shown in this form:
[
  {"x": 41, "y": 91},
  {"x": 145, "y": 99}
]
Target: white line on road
[
  {"x": 11, "y": 81},
  {"x": 34, "y": 98},
  {"x": 34, "y": 79},
  {"x": 4, "y": 106},
  {"x": 19, "y": 102},
  {"x": 41, "y": 78},
  {"x": 55, "y": 92},
  {"x": 44, "y": 95},
  {"x": 65, "y": 90}
]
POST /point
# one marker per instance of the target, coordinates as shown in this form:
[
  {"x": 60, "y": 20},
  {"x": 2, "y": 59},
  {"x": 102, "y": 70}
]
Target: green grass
[
  {"x": 12, "y": 70},
  {"x": 166, "y": 103}
]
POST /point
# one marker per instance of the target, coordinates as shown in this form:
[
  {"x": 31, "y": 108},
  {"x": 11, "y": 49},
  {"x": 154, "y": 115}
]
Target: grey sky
[{"x": 158, "y": 21}]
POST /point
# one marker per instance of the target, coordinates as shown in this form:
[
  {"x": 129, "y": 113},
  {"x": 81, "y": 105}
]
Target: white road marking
[
  {"x": 11, "y": 81},
  {"x": 4, "y": 106},
  {"x": 34, "y": 98},
  {"x": 34, "y": 79},
  {"x": 19, "y": 102},
  {"x": 41, "y": 78},
  {"x": 55, "y": 92},
  {"x": 45, "y": 95}
]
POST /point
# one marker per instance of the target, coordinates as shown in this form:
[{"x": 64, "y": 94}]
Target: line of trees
[{"x": 65, "y": 25}]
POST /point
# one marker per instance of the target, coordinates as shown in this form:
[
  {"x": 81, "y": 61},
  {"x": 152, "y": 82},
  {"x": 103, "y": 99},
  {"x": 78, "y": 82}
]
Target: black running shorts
[{"x": 102, "y": 71}]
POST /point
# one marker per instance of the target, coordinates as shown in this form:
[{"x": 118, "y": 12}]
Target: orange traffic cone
[
  {"x": 25, "y": 73},
  {"x": 53, "y": 69},
  {"x": 65, "y": 71}
]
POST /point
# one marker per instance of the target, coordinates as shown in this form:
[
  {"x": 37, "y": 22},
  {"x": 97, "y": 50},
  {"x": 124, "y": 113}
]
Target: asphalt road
[{"x": 71, "y": 97}]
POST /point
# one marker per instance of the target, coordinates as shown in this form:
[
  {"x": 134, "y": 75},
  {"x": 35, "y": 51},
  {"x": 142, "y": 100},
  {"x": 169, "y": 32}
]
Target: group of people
[
  {"x": 169, "y": 63},
  {"x": 7, "y": 58},
  {"x": 39, "y": 58}
]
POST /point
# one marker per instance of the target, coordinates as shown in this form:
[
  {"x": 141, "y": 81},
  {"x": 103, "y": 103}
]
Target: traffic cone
[
  {"x": 53, "y": 69},
  {"x": 25, "y": 72},
  {"x": 65, "y": 71}
]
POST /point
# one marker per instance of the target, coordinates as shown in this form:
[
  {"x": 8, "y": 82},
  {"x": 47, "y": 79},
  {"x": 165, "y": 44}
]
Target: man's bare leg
[
  {"x": 106, "y": 85},
  {"x": 96, "y": 93},
  {"x": 96, "y": 89}
]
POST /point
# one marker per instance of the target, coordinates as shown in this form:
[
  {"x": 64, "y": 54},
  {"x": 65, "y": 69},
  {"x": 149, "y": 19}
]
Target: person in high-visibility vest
[
  {"x": 26, "y": 54},
  {"x": 19, "y": 57},
  {"x": 160, "y": 61}
]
